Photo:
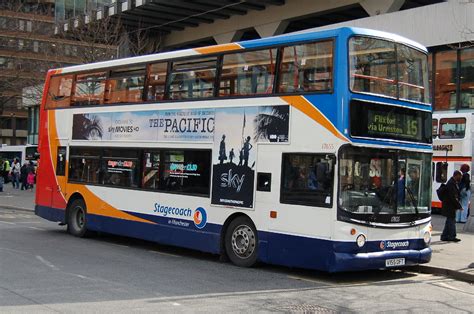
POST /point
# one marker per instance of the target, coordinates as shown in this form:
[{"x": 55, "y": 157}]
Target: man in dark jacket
[{"x": 450, "y": 205}]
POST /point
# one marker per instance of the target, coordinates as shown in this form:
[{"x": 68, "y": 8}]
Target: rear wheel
[
  {"x": 241, "y": 242},
  {"x": 77, "y": 218}
]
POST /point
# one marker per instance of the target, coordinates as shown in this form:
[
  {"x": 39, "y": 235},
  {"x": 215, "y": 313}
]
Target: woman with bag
[{"x": 465, "y": 194}]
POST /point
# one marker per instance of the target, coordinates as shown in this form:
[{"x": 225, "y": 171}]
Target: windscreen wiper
[{"x": 410, "y": 193}]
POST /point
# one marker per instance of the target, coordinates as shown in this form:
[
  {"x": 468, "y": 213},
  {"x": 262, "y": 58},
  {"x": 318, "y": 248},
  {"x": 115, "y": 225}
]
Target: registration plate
[{"x": 394, "y": 262}]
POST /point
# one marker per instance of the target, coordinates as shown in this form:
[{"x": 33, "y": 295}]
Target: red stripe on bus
[
  {"x": 436, "y": 204},
  {"x": 449, "y": 158}
]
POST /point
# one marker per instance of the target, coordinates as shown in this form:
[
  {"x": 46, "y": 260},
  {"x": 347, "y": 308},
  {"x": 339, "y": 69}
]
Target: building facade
[
  {"x": 28, "y": 49},
  {"x": 446, "y": 27}
]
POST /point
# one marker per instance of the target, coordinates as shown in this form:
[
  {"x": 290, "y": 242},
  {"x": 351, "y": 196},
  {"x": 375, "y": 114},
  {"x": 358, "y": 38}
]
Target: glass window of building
[
  {"x": 306, "y": 68},
  {"x": 467, "y": 79},
  {"x": 445, "y": 80}
]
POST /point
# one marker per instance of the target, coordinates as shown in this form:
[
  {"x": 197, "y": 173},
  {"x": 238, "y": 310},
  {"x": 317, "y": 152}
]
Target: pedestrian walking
[
  {"x": 16, "y": 170},
  {"x": 450, "y": 205},
  {"x": 465, "y": 194},
  {"x": 23, "y": 175},
  {"x": 31, "y": 180},
  {"x": 6, "y": 170}
]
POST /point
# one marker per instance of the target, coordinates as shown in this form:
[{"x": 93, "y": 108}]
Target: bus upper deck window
[
  {"x": 306, "y": 68},
  {"x": 193, "y": 78},
  {"x": 248, "y": 73},
  {"x": 125, "y": 85},
  {"x": 157, "y": 81},
  {"x": 452, "y": 127},
  {"x": 89, "y": 89},
  {"x": 435, "y": 127},
  {"x": 59, "y": 91},
  {"x": 372, "y": 66}
]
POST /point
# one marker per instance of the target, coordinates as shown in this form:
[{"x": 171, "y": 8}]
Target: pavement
[{"x": 455, "y": 260}]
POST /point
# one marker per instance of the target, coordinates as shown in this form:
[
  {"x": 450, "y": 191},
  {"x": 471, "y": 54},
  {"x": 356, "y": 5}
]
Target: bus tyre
[
  {"x": 241, "y": 242},
  {"x": 77, "y": 218}
]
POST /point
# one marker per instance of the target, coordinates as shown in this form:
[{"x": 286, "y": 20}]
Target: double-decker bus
[
  {"x": 24, "y": 153},
  {"x": 284, "y": 150},
  {"x": 453, "y": 146}
]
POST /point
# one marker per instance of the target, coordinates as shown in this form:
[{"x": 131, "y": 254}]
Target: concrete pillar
[
  {"x": 228, "y": 37},
  {"x": 376, "y": 7},
  {"x": 271, "y": 29}
]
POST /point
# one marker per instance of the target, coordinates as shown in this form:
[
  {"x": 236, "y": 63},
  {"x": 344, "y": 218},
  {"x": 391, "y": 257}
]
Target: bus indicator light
[
  {"x": 353, "y": 231},
  {"x": 273, "y": 214}
]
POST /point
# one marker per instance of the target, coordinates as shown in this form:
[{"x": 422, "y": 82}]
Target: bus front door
[{"x": 59, "y": 191}]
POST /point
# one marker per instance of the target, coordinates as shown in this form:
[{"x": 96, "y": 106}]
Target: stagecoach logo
[
  {"x": 199, "y": 215},
  {"x": 393, "y": 244}
]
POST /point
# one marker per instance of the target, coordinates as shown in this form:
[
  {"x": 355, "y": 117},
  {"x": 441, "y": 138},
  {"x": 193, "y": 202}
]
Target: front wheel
[
  {"x": 241, "y": 242},
  {"x": 77, "y": 218}
]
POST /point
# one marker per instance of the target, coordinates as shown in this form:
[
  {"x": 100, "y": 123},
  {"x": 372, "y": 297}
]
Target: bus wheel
[
  {"x": 241, "y": 242},
  {"x": 76, "y": 218}
]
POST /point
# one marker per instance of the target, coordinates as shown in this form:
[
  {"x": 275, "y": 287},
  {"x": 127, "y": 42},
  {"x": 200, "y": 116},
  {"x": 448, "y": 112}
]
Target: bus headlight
[
  {"x": 361, "y": 240},
  {"x": 427, "y": 237}
]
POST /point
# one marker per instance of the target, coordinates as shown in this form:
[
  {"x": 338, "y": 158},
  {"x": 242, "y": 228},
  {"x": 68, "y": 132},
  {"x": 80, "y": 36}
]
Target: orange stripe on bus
[
  {"x": 438, "y": 158},
  {"x": 218, "y": 48},
  {"x": 311, "y": 111},
  {"x": 97, "y": 206}
]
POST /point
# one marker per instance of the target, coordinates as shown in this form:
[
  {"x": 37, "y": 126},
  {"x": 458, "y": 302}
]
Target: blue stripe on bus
[
  {"x": 392, "y": 144},
  {"x": 274, "y": 248}
]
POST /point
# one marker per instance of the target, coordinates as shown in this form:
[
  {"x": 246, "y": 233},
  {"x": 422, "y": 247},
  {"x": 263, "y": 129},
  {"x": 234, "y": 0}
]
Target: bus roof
[{"x": 306, "y": 35}]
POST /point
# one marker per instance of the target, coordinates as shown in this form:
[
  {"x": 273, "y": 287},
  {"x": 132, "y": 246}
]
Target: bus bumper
[
  {"x": 377, "y": 260},
  {"x": 49, "y": 213}
]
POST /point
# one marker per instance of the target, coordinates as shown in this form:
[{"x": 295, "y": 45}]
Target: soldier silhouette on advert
[
  {"x": 222, "y": 155},
  {"x": 247, "y": 147}
]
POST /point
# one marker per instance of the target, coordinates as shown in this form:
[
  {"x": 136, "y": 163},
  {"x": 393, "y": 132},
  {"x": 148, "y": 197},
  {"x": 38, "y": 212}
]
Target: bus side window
[
  {"x": 441, "y": 172},
  {"x": 61, "y": 161},
  {"x": 307, "y": 179},
  {"x": 264, "y": 181}
]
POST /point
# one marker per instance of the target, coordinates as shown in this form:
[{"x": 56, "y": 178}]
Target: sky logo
[{"x": 200, "y": 217}]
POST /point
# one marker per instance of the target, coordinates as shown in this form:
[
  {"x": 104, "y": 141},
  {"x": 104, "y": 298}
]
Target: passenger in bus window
[
  {"x": 414, "y": 182},
  {"x": 401, "y": 187}
]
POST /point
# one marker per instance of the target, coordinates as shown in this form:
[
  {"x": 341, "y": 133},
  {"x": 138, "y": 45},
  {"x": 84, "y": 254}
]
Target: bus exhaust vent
[{"x": 306, "y": 309}]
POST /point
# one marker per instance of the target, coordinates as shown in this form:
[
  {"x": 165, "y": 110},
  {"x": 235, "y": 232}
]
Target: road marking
[
  {"x": 445, "y": 285},
  {"x": 162, "y": 253},
  {"x": 176, "y": 304},
  {"x": 36, "y": 228},
  {"x": 319, "y": 281},
  {"x": 8, "y": 223},
  {"x": 120, "y": 245},
  {"x": 42, "y": 260}
]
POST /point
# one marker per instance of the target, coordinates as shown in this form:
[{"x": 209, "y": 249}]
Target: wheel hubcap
[
  {"x": 80, "y": 217},
  {"x": 243, "y": 241}
]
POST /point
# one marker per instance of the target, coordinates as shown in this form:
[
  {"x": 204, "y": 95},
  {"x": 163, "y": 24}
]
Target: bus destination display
[
  {"x": 393, "y": 124},
  {"x": 382, "y": 121}
]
